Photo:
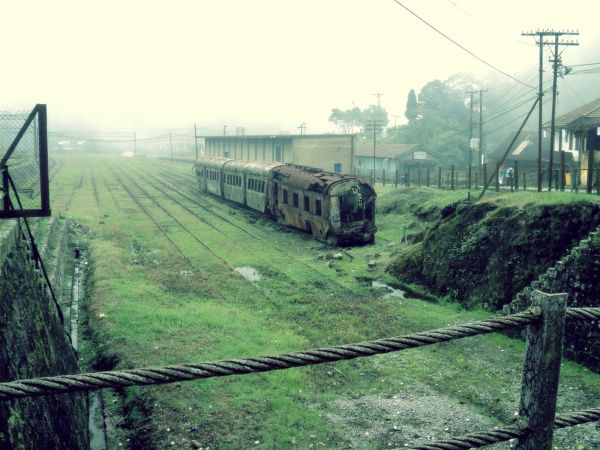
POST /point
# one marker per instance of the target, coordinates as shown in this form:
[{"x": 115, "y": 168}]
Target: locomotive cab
[{"x": 352, "y": 212}]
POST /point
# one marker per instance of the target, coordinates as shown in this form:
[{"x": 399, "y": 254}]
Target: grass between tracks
[{"x": 152, "y": 307}]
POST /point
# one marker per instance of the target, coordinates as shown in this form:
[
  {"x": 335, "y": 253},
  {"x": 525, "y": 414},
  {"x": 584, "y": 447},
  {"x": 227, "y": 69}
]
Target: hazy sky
[{"x": 144, "y": 65}]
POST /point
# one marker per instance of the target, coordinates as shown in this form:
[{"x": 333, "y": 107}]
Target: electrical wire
[
  {"x": 487, "y": 25},
  {"x": 461, "y": 46}
]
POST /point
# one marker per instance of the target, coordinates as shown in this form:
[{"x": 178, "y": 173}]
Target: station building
[
  {"x": 329, "y": 152},
  {"x": 391, "y": 158}
]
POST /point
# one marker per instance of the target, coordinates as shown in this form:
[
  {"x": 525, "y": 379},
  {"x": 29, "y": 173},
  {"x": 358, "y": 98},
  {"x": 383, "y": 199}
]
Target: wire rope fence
[{"x": 545, "y": 322}]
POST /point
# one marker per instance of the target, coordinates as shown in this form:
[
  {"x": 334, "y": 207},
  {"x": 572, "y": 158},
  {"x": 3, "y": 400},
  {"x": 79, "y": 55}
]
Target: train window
[
  {"x": 318, "y": 207},
  {"x": 295, "y": 199},
  {"x": 306, "y": 203},
  {"x": 285, "y": 196}
]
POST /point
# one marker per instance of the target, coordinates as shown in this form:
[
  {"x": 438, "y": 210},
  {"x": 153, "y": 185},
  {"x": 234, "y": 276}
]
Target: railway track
[
  {"x": 94, "y": 187},
  {"x": 160, "y": 227},
  {"x": 194, "y": 188},
  {"x": 285, "y": 259},
  {"x": 112, "y": 195}
]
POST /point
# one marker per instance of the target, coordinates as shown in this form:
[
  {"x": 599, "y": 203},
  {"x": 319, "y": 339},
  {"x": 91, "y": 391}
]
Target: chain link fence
[{"x": 24, "y": 161}]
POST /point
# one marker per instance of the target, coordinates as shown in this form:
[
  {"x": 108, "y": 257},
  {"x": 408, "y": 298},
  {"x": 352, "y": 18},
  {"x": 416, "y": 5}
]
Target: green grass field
[{"x": 163, "y": 295}]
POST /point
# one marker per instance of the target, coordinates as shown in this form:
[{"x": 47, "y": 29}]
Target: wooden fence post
[
  {"x": 384, "y": 177},
  {"x": 516, "y": 175},
  {"x": 452, "y": 177},
  {"x": 440, "y": 177},
  {"x": 541, "y": 370},
  {"x": 428, "y": 175}
]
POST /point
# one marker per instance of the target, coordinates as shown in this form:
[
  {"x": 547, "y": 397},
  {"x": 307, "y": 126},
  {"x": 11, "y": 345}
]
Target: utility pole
[
  {"x": 224, "y": 130},
  {"x": 555, "y": 64},
  {"x": 171, "y": 144},
  {"x": 396, "y": 120},
  {"x": 481, "y": 91},
  {"x": 302, "y": 128},
  {"x": 470, "y": 139},
  {"x": 375, "y": 125},
  {"x": 378, "y": 95},
  {"x": 541, "y": 42},
  {"x": 134, "y": 143},
  {"x": 196, "y": 141}
]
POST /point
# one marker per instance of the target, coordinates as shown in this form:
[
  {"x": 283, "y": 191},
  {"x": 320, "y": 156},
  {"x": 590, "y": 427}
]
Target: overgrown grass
[{"x": 155, "y": 307}]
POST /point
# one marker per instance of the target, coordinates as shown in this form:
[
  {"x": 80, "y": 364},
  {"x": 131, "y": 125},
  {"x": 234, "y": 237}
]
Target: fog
[{"x": 266, "y": 65}]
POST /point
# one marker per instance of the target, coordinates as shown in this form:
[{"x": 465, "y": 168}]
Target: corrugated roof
[
  {"x": 525, "y": 148},
  {"x": 384, "y": 150},
  {"x": 589, "y": 114}
]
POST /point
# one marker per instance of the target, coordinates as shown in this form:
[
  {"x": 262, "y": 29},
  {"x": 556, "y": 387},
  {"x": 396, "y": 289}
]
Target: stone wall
[
  {"x": 578, "y": 274},
  {"x": 33, "y": 343}
]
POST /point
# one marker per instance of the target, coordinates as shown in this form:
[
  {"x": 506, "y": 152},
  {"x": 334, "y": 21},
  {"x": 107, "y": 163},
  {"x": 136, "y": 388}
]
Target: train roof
[
  {"x": 259, "y": 168},
  {"x": 310, "y": 178},
  {"x": 213, "y": 162}
]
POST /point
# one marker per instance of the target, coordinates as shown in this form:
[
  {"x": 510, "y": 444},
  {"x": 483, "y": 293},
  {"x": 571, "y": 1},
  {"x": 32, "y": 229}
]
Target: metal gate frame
[{"x": 8, "y": 208}]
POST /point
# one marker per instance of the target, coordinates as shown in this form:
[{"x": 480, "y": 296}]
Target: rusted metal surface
[
  {"x": 332, "y": 207},
  {"x": 309, "y": 178}
]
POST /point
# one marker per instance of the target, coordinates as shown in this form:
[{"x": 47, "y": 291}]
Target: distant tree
[
  {"x": 412, "y": 107},
  {"x": 346, "y": 119}
]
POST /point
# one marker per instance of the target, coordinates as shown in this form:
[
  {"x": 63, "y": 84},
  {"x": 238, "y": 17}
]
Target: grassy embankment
[{"x": 153, "y": 306}]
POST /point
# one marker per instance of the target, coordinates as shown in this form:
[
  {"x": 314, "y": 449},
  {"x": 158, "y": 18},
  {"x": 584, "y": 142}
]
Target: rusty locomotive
[{"x": 335, "y": 208}]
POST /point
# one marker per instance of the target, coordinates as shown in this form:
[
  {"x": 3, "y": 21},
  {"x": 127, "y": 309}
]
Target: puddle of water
[
  {"x": 392, "y": 293},
  {"x": 249, "y": 273}
]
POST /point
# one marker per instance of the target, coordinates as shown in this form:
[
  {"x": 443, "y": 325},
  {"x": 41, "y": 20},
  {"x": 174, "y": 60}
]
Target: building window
[
  {"x": 318, "y": 207},
  {"x": 226, "y": 154},
  {"x": 285, "y": 196},
  {"x": 295, "y": 199},
  {"x": 337, "y": 167},
  {"x": 306, "y": 203}
]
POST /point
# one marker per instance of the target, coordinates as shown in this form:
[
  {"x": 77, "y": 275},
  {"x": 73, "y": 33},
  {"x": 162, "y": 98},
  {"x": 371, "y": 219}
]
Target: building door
[{"x": 337, "y": 167}]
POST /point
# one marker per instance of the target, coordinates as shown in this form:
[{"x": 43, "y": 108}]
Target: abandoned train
[{"x": 339, "y": 209}]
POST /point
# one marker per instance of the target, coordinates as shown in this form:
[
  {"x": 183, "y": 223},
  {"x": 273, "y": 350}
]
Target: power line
[
  {"x": 487, "y": 25},
  {"x": 460, "y": 46}
]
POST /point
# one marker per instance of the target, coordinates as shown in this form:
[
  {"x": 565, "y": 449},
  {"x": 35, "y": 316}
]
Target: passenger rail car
[{"x": 339, "y": 209}]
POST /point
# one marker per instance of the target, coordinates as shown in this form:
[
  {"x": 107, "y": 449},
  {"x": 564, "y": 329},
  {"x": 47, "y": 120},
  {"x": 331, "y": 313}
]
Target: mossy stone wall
[{"x": 33, "y": 343}]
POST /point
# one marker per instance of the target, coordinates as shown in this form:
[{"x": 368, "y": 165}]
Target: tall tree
[{"x": 412, "y": 107}]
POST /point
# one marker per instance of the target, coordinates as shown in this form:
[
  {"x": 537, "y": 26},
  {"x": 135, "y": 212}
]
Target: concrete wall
[
  {"x": 578, "y": 274},
  {"x": 325, "y": 151},
  {"x": 33, "y": 344},
  {"x": 321, "y": 151}
]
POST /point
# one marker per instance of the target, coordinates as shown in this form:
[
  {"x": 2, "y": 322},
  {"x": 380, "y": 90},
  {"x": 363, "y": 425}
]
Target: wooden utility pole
[
  {"x": 481, "y": 91},
  {"x": 171, "y": 144},
  {"x": 375, "y": 125},
  {"x": 470, "y": 140},
  {"x": 134, "y": 143},
  {"x": 196, "y": 141},
  {"x": 541, "y": 36}
]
